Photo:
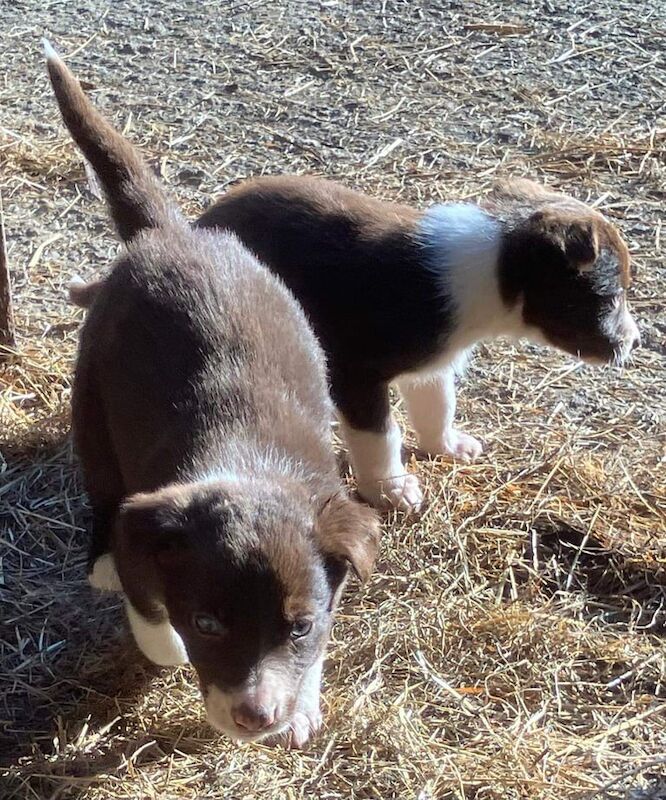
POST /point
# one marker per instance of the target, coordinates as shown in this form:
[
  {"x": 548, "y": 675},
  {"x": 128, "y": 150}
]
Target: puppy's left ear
[
  {"x": 348, "y": 532},
  {"x": 575, "y": 236}
]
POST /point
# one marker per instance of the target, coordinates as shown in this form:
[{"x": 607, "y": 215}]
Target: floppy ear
[
  {"x": 348, "y": 533},
  {"x": 152, "y": 525},
  {"x": 574, "y": 235},
  {"x": 149, "y": 534}
]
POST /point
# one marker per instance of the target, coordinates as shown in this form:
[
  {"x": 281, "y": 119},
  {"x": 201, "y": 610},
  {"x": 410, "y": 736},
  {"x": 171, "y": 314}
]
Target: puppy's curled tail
[
  {"x": 83, "y": 294},
  {"x": 135, "y": 197}
]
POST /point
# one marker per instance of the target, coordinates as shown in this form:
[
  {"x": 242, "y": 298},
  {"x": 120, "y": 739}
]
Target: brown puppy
[
  {"x": 201, "y": 419},
  {"x": 400, "y": 295}
]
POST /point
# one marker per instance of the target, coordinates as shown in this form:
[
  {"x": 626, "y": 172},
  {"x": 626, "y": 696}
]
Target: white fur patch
[
  {"x": 270, "y": 691},
  {"x": 377, "y": 461},
  {"x": 462, "y": 247},
  {"x": 75, "y": 284},
  {"x": 307, "y": 718},
  {"x": 431, "y": 406},
  {"x": 49, "y": 51},
  {"x": 104, "y": 575},
  {"x": 159, "y": 643},
  {"x": 620, "y": 326},
  {"x": 218, "y": 710}
]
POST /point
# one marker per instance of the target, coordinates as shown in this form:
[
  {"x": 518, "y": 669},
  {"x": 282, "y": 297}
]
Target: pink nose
[{"x": 253, "y": 717}]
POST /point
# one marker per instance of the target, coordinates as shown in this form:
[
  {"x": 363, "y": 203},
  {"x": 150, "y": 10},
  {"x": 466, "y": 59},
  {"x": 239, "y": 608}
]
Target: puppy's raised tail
[{"x": 135, "y": 196}]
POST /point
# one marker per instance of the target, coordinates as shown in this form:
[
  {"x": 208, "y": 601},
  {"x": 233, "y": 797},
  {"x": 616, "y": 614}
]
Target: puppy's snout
[{"x": 253, "y": 717}]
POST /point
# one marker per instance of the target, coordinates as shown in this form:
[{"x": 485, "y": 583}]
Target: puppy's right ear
[
  {"x": 572, "y": 233},
  {"x": 152, "y": 525},
  {"x": 348, "y": 532},
  {"x": 150, "y": 537}
]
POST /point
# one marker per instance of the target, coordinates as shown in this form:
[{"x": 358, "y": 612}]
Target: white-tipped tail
[
  {"x": 49, "y": 51},
  {"x": 134, "y": 194}
]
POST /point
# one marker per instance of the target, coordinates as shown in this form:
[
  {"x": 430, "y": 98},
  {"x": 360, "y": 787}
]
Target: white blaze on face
[{"x": 272, "y": 692}]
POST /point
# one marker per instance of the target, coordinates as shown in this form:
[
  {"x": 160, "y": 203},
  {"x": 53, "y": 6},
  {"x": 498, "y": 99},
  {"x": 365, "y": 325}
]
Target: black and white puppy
[{"x": 398, "y": 295}]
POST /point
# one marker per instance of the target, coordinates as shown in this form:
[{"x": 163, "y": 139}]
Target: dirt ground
[{"x": 511, "y": 642}]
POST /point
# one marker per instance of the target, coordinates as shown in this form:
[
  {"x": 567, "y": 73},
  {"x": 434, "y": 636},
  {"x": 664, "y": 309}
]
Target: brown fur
[
  {"x": 201, "y": 420},
  {"x": 139, "y": 202},
  {"x": 565, "y": 220},
  {"x": 379, "y": 284}
]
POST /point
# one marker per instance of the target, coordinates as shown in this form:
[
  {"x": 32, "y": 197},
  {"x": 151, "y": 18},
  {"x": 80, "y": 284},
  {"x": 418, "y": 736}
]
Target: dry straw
[{"x": 510, "y": 644}]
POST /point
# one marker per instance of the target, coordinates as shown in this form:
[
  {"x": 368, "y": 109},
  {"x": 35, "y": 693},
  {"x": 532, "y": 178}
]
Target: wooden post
[{"x": 7, "y": 331}]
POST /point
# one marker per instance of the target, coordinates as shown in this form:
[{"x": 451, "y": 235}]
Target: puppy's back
[{"x": 192, "y": 347}]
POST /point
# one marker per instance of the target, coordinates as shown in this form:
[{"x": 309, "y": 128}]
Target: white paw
[
  {"x": 402, "y": 493},
  {"x": 104, "y": 575},
  {"x": 159, "y": 642},
  {"x": 462, "y": 446},
  {"x": 304, "y": 724}
]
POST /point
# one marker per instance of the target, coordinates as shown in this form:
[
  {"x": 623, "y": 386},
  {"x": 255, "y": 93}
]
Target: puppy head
[
  {"x": 249, "y": 576},
  {"x": 571, "y": 269}
]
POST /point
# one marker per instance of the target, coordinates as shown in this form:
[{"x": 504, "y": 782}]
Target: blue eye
[
  {"x": 207, "y": 625},
  {"x": 301, "y": 628}
]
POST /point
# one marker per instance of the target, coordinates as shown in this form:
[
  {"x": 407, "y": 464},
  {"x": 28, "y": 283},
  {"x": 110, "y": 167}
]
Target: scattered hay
[{"x": 510, "y": 644}]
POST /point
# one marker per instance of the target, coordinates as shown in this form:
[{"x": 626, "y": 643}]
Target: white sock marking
[
  {"x": 160, "y": 643},
  {"x": 377, "y": 462},
  {"x": 431, "y": 406},
  {"x": 104, "y": 575}
]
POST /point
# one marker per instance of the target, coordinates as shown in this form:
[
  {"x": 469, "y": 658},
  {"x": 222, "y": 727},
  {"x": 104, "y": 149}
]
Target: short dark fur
[
  {"x": 348, "y": 258},
  {"x": 566, "y": 262},
  {"x": 359, "y": 269},
  {"x": 201, "y": 420}
]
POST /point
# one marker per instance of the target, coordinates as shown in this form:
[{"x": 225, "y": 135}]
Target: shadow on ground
[
  {"x": 621, "y": 588},
  {"x": 67, "y": 664}
]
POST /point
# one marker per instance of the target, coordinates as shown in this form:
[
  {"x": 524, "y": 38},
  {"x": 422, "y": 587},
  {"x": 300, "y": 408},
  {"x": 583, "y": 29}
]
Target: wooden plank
[{"x": 7, "y": 330}]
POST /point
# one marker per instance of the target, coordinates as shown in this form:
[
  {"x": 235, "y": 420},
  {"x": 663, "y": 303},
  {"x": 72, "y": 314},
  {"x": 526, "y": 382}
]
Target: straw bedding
[{"x": 510, "y": 644}]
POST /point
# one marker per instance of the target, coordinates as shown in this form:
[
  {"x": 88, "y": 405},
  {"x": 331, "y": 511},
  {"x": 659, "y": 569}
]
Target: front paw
[
  {"x": 462, "y": 446},
  {"x": 304, "y": 725},
  {"x": 402, "y": 493},
  {"x": 104, "y": 576}
]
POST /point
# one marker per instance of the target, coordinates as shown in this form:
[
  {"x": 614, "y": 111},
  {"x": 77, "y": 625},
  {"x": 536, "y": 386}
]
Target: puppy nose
[{"x": 253, "y": 717}]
